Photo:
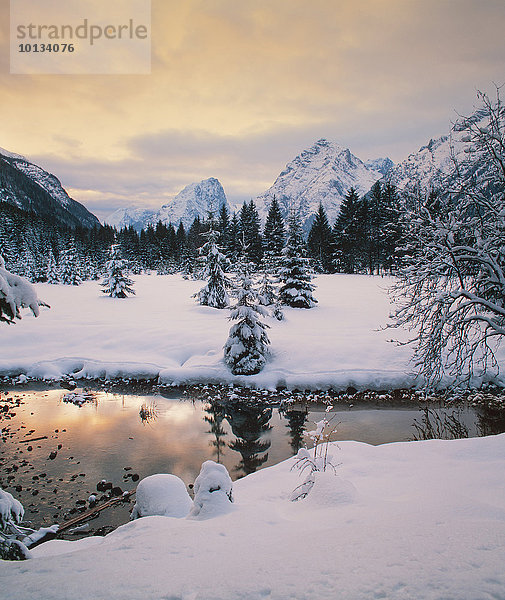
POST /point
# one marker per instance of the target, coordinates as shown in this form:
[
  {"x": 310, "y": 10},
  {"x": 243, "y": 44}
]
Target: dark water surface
[{"x": 121, "y": 438}]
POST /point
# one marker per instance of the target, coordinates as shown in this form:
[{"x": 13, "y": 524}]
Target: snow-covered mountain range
[
  {"x": 323, "y": 173},
  {"x": 195, "y": 200},
  {"x": 30, "y": 188},
  {"x": 429, "y": 167}
]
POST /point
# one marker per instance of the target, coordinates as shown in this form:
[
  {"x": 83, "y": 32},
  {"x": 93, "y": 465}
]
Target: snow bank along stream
[{"x": 54, "y": 453}]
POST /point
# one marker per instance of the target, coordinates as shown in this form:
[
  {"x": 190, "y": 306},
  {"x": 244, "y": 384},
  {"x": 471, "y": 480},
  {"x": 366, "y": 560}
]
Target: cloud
[{"x": 239, "y": 88}]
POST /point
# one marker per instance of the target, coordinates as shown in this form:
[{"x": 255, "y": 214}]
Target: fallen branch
[{"x": 95, "y": 511}]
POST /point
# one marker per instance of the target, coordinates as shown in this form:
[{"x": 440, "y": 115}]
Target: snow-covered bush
[
  {"x": 11, "y": 514},
  {"x": 246, "y": 349},
  {"x": 16, "y": 293},
  {"x": 116, "y": 283},
  {"x": 161, "y": 494},
  {"x": 318, "y": 459},
  {"x": 213, "y": 491}
]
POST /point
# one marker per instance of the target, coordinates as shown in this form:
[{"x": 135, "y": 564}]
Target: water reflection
[
  {"x": 296, "y": 419},
  {"x": 441, "y": 424},
  {"x": 215, "y": 417},
  {"x": 490, "y": 421},
  {"x": 148, "y": 412},
  {"x": 126, "y": 434},
  {"x": 249, "y": 424}
]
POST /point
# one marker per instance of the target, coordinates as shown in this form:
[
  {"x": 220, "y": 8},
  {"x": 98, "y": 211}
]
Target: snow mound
[
  {"x": 330, "y": 490},
  {"x": 213, "y": 491},
  {"x": 11, "y": 510},
  {"x": 161, "y": 494}
]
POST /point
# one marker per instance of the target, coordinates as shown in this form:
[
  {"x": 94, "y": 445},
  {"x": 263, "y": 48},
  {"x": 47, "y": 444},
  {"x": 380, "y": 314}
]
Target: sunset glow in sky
[{"x": 238, "y": 88}]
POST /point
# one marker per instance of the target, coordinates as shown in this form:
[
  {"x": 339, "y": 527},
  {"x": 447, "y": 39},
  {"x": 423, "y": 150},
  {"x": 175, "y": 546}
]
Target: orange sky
[{"x": 238, "y": 88}]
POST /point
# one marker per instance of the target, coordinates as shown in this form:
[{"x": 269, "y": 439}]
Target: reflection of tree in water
[
  {"x": 215, "y": 420},
  {"x": 440, "y": 425},
  {"x": 296, "y": 422},
  {"x": 248, "y": 424},
  {"x": 490, "y": 420}
]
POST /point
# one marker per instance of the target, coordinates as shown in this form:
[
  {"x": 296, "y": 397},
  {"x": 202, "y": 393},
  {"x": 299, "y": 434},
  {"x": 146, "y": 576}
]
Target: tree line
[{"x": 365, "y": 238}]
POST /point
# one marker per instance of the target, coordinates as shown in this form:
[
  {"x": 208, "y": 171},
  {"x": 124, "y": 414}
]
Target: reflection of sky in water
[{"x": 104, "y": 437}]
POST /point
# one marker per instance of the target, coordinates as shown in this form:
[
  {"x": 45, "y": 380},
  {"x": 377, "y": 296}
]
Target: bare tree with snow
[{"x": 451, "y": 291}]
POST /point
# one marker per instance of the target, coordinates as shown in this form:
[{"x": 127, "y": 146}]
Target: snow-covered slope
[
  {"x": 139, "y": 218},
  {"x": 195, "y": 200},
  {"x": 382, "y": 165},
  {"x": 41, "y": 192},
  {"x": 428, "y": 168},
  {"x": 323, "y": 173},
  {"x": 403, "y": 521}
]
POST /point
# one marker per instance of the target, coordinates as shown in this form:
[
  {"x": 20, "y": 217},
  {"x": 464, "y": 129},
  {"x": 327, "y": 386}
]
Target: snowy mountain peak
[
  {"x": 8, "y": 154},
  {"x": 382, "y": 165},
  {"x": 426, "y": 169},
  {"x": 323, "y": 173},
  {"x": 195, "y": 200},
  {"x": 31, "y": 188}
]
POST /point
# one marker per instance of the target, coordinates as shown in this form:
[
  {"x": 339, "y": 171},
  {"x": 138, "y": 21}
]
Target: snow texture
[
  {"x": 162, "y": 332},
  {"x": 417, "y": 520},
  {"x": 161, "y": 494},
  {"x": 213, "y": 491}
]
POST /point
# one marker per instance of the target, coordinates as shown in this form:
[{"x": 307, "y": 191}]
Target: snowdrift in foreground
[
  {"x": 163, "y": 332},
  {"x": 423, "y": 520}
]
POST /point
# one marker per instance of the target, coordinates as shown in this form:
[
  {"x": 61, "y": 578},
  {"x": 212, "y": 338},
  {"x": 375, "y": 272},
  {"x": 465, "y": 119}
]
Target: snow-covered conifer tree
[
  {"x": 70, "y": 270},
  {"x": 214, "y": 293},
  {"x": 116, "y": 282},
  {"x": 267, "y": 292},
  {"x": 246, "y": 349},
  {"x": 296, "y": 289},
  {"x": 52, "y": 269}
]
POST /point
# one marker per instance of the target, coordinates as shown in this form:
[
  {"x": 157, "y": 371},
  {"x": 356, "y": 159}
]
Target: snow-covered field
[
  {"x": 403, "y": 521},
  {"x": 162, "y": 331}
]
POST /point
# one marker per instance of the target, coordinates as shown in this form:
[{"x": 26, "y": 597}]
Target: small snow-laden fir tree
[
  {"x": 267, "y": 292},
  {"x": 246, "y": 350},
  {"x": 296, "y": 290},
  {"x": 52, "y": 270},
  {"x": 116, "y": 282},
  {"x": 274, "y": 236},
  {"x": 70, "y": 270},
  {"x": 214, "y": 294},
  {"x": 16, "y": 293}
]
